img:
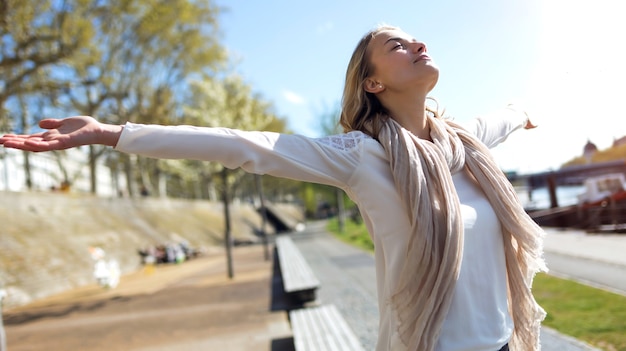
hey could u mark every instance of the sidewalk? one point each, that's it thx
(353, 290)
(608, 248)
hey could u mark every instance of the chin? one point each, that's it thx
(433, 78)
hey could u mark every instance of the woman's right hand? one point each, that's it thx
(64, 134)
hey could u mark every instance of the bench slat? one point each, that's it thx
(334, 326)
(300, 335)
(322, 328)
(315, 330)
(296, 273)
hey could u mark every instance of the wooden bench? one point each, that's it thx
(322, 328)
(298, 279)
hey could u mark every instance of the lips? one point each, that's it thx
(422, 58)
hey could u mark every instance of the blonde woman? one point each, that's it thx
(455, 251)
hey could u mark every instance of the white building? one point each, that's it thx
(47, 175)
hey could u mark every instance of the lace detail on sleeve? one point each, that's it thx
(345, 142)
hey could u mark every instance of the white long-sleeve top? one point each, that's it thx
(478, 319)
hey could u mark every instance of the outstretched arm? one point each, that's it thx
(494, 128)
(64, 134)
(331, 160)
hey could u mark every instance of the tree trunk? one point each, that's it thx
(341, 211)
(227, 235)
(93, 178)
(28, 180)
(129, 172)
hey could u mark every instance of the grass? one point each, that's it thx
(354, 234)
(595, 316)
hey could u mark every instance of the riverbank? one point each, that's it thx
(46, 237)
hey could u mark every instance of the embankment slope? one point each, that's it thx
(45, 237)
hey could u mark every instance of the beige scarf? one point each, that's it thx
(433, 257)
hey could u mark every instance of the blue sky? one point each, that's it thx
(563, 59)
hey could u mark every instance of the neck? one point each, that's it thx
(410, 113)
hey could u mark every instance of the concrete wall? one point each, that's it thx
(45, 237)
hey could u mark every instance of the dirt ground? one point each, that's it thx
(190, 306)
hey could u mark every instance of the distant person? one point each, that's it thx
(451, 239)
(65, 186)
(144, 191)
(106, 272)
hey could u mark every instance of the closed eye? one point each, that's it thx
(398, 43)
(398, 46)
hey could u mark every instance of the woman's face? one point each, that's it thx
(400, 63)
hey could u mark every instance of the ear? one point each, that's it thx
(372, 86)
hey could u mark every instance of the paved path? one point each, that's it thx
(192, 307)
(353, 290)
(598, 260)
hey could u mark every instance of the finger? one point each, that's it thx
(50, 123)
(20, 136)
(530, 125)
(6, 138)
(17, 138)
(15, 144)
(33, 144)
(38, 145)
(12, 138)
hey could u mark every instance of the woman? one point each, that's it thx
(455, 251)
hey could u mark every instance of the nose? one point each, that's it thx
(419, 47)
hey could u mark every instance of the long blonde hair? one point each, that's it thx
(426, 283)
(361, 110)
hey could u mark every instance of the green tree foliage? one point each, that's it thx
(225, 102)
(35, 37)
(123, 60)
(146, 51)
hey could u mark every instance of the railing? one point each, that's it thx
(609, 216)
